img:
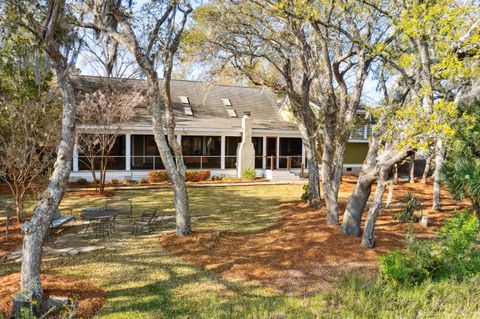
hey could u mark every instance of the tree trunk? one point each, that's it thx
(391, 187)
(395, 174)
(180, 200)
(356, 204)
(368, 238)
(313, 173)
(428, 163)
(328, 165)
(412, 169)
(305, 121)
(439, 157)
(180, 197)
(31, 293)
(19, 207)
(359, 198)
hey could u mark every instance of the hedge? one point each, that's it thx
(190, 176)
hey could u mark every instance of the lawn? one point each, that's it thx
(233, 208)
(144, 280)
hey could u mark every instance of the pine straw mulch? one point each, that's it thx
(301, 255)
(89, 299)
(12, 241)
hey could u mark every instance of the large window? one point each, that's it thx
(231, 145)
(116, 157)
(202, 151)
(258, 146)
(290, 151)
(144, 152)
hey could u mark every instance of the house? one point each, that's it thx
(211, 120)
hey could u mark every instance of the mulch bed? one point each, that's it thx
(12, 241)
(89, 298)
(301, 255)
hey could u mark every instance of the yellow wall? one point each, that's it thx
(355, 153)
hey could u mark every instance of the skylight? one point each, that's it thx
(226, 102)
(184, 99)
(232, 113)
(188, 110)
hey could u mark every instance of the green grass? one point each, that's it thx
(233, 208)
(142, 280)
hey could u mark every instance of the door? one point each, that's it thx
(271, 152)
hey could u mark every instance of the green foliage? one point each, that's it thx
(409, 205)
(358, 297)
(191, 175)
(461, 177)
(142, 181)
(305, 192)
(466, 142)
(453, 254)
(249, 173)
(114, 181)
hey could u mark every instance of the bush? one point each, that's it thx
(249, 173)
(142, 181)
(158, 176)
(82, 181)
(114, 181)
(461, 178)
(190, 176)
(305, 193)
(217, 178)
(409, 205)
(454, 254)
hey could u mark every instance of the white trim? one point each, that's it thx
(75, 155)
(278, 152)
(222, 152)
(303, 154)
(264, 151)
(128, 152)
(144, 130)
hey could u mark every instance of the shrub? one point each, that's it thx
(82, 181)
(305, 193)
(461, 178)
(190, 176)
(249, 173)
(217, 178)
(158, 176)
(114, 181)
(409, 205)
(142, 181)
(197, 175)
(454, 254)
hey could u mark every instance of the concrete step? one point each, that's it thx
(276, 175)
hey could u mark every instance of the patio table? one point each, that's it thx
(98, 214)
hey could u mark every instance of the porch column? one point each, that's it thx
(75, 155)
(128, 152)
(264, 152)
(278, 152)
(303, 154)
(222, 152)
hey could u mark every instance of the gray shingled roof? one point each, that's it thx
(206, 103)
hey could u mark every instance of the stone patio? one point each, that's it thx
(71, 239)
